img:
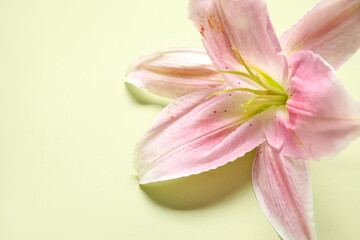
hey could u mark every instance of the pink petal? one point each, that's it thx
(245, 26)
(175, 72)
(321, 117)
(283, 188)
(331, 29)
(193, 135)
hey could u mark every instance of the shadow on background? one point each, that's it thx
(144, 97)
(199, 190)
(204, 189)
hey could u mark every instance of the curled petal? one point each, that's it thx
(331, 29)
(320, 116)
(174, 72)
(283, 188)
(245, 26)
(193, 135)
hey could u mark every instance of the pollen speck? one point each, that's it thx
(202, 29)
(214, 24)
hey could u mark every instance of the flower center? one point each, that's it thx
(271, 94)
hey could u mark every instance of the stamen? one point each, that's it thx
(255, 109)
(273, 93)
(248, 103)
(275, 90)
(235, 72)
(271, 102)
(252, 113)
(256, 78)
(270, 80)
(273, 97)
(278, 89)
(243, 63)
(279, 98)
(257, 92)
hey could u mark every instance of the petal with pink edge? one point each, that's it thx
(193, 135)
(174, 72)
(245, 26)
(331, 29)
(283, 188)
(320, 116)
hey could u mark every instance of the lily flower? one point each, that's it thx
(280, 96)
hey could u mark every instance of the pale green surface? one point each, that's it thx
(68, 127)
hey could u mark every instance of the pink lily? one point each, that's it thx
(288, 102)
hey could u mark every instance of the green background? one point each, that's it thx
(68, 127)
